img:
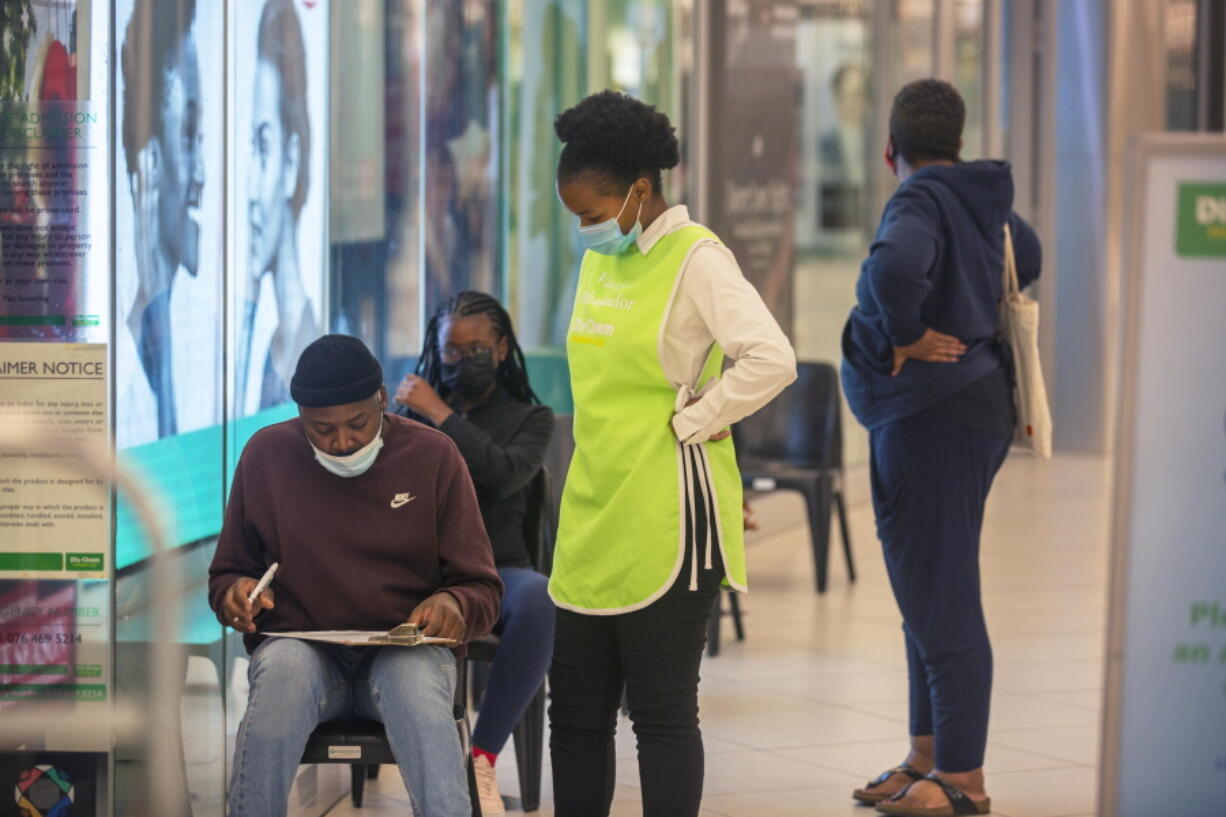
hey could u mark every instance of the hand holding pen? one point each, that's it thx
(245, 599)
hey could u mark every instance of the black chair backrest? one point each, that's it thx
(540, 525)
(803, 426)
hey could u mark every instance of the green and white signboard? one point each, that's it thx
(1164, 739)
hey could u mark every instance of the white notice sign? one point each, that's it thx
(54, 507)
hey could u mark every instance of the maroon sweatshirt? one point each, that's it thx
(356, 553)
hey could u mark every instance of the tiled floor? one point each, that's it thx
(813, 703)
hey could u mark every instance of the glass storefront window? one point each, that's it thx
(169, 223)
(912, 38)
(460, 149)
(837, 145)
(556, 52)
(1181, 65)
(969, 72)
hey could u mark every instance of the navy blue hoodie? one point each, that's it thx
(936, 263)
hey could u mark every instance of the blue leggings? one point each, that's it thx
(930, 479)
(525, 625)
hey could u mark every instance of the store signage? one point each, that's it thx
(1201, 230)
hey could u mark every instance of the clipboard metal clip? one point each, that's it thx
(407, 635)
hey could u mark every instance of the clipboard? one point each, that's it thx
(403, 635)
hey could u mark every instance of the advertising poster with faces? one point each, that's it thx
(279, 93)
(169, 153)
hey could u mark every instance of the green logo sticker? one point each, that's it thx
(84, 561)
(1200, 230)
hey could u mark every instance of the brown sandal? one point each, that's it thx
(872, 798)
(959, 803)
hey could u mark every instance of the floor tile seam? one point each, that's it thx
(1065, 762)
(404, 801)
(1060, 691)
(822, 766)
(1014, 729)
(775, 788)
(1065, 768)
(820, 674)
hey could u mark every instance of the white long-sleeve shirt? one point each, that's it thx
(715, 304)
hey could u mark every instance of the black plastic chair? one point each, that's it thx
(363, 745)
(795, 443)
(529, 733)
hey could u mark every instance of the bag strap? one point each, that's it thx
(1010, 283)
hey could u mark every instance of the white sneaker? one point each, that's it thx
(487, 787)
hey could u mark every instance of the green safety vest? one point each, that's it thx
(621, 535)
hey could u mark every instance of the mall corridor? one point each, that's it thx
(349, 348)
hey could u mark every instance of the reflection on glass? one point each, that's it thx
(546, 72)
(461, 213)
(375, 272)
(559, 51)
(968, 72)
(402, 157)
(1181, 68)
(913, 37)
(832, 54)
(833, 44)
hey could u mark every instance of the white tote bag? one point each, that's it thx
(1019, 327)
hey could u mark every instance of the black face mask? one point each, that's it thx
(471, 377)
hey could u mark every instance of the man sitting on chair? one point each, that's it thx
(374, 521)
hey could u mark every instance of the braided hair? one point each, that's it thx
(512, 372)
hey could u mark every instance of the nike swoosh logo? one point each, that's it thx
(402, 500)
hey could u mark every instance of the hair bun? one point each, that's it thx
(616, 130)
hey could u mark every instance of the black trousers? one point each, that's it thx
(654, 655)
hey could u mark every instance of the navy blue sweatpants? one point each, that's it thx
(930, 478)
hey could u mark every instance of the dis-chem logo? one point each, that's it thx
(44, 791)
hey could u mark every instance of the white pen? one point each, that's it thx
(265, 580)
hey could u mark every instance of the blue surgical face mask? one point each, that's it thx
(355, 464)
(607, 237)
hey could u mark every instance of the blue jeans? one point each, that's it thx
(525, 626)
(295, 685)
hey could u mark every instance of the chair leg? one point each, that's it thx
(529, 738)
(478, 679)
(473, 797)
(357, 773)
(372, 772)
(841, 505)
(738, 624)
(713, 625)
(817, 502)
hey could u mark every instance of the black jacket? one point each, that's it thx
(504, 442)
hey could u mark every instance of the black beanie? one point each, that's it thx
(335, 370)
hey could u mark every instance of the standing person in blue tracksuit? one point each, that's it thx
(925, 372)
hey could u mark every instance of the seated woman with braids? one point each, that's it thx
(472, 385)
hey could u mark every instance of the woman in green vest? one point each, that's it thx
(651, 520)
